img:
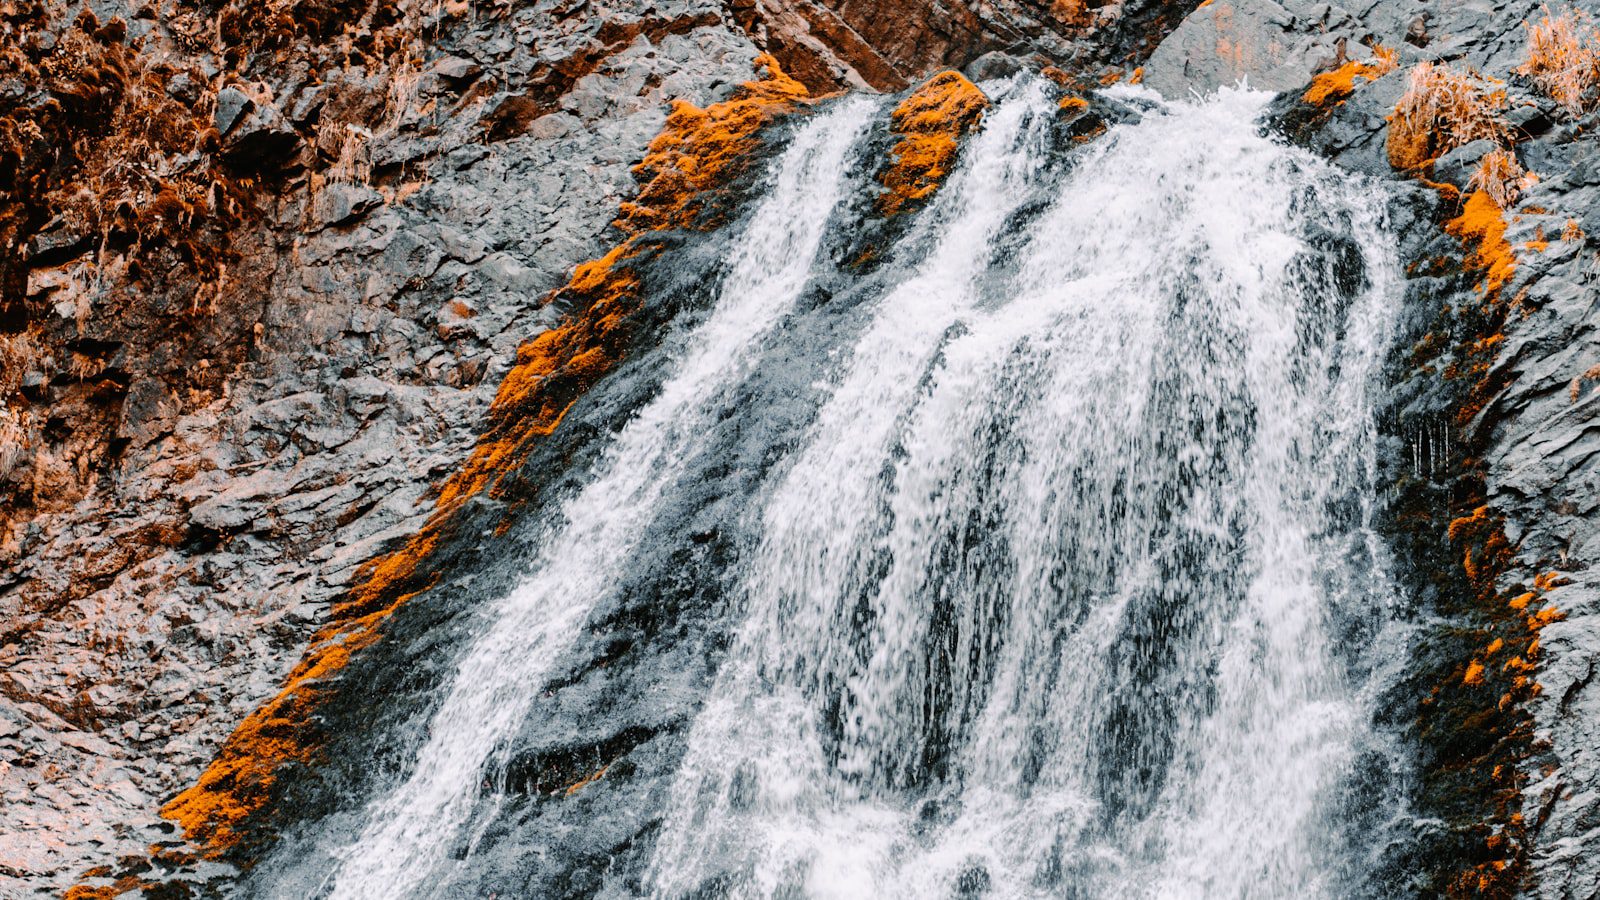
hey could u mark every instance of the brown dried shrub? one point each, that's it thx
(1562, 59)
(1443, 109)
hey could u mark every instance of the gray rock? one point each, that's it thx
(183, 88)
(457, 70)
(232, 105)
(340, 203)
(1257, 42)
(1457, 166)
(994, 64)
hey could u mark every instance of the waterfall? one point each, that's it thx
(1042, 606)
(1045, 583)
(494, 687)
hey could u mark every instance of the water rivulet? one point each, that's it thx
(1032, 559)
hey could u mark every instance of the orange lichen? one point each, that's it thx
(930, 122)
(1441, 110)
(122, 886)
(586, 781)
(1490, 705)
(696, 152)
(1482, 227)
(1072, 103)
(697, 148)
(1341, 82)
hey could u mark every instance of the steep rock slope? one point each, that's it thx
(205, 443)
(1480, 114)
(265, 267)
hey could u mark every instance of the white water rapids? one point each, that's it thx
(1042, 603)
(495, 686)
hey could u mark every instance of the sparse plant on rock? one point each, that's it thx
(1562, 59)
(1443, 109)
(1501, 177)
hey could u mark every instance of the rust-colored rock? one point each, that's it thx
(930, 123)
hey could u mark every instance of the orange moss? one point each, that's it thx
(1341, 82)
(110, 892)
(930, 122)
(586, 781)
(696, 152)
(698, 147)
(1509, 628)
(1482, 227)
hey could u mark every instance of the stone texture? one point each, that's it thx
(143, 622)
(345, 362)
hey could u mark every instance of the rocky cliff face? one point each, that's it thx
(264, 269)
(267, 267)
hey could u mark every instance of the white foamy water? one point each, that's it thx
(1042, 605)
(410, 830)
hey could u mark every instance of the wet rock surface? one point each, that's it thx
(203, 524)
(211, 455)
(145, 620)
(1505, 431)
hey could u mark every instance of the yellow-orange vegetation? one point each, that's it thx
(697, 151)
(1576, 389)
(1502, 674)
(122, 886)
(930, 122)
(1501, 177)
(1563, 60)
(1442, 109)
(1482, 227)
(1341, 82)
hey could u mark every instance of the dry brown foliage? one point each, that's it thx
(1500, 176)
(1443, 109)
(1562, 59)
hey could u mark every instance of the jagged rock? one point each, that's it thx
(1457, 166)
(1270, 46)
(261, 137)
(340, 203)
(457, 69)
(184, 88)
(232, 105)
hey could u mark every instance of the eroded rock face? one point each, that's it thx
(375, 316)
(207, 439)
(1491, 390)
(216, 449)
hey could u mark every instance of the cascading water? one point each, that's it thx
(1041, 589)
(1041, 607)
(409, 831)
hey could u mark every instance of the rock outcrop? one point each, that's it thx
(264, 269)
(267, 269)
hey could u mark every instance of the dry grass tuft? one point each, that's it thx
(1501, 177)
(1443, 109)
(1563, 61)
